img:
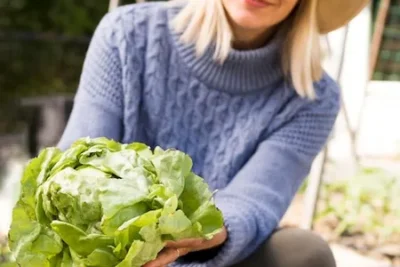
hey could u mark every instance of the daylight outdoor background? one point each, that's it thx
(42, 48)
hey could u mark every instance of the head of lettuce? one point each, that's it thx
(102, 203)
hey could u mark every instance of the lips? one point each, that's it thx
(258, 3)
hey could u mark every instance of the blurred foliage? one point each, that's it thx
(388, 65)
(42, 47)
(72, 17)
(34, 67)
(367, 203)
(43, 44)
(303, 186)
(31, 64)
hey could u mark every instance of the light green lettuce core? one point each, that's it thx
(102, 203)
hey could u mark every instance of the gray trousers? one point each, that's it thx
(291, 247)
(287, 247)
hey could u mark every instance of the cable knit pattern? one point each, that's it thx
(249, 134)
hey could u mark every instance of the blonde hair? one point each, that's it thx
(203, 22)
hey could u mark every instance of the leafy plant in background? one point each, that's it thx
(102, 203)
(42, 47)
(43, 43)
(31, 64)
(366, 203)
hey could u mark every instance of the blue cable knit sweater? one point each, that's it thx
(249, 134)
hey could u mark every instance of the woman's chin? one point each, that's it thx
(246, 21)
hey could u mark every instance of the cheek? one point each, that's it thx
(251, 18)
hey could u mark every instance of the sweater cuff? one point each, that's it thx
(239, 236)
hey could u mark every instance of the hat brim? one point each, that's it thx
(333, 14)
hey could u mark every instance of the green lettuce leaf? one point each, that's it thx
(195, 193)
(36, 173)
(209, 218)
(69, 158)
(134, 251)
(103, 203)
(172, 167)
(101, 257)
(143, 252)
(78, 240)
(174, 223)
(47, 243)
(73, 197)
(109, 225)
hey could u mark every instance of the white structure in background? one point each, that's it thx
(353, 69)
(10, 191)
(371, 108)
(380, 103)
(354, 78)
(380, 119)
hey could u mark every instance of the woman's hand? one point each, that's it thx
(176, 249)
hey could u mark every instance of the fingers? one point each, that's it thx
(199, 244)
(175, 249)
(167, 256)
(187, 243)
(218, 239)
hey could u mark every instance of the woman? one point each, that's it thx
(238, 85)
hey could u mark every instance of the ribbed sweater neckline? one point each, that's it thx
(243, 71)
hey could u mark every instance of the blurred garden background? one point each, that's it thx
(42, 48)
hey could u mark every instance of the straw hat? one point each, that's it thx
(333, 14)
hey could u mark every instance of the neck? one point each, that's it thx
(241, 72)
(246, 39)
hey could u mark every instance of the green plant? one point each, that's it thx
(303, 187)
(43, 45)
(366, 203)
(102, 203)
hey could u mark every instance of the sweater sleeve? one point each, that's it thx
(97, 109)
(260, 193)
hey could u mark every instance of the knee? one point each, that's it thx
(298, 248)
